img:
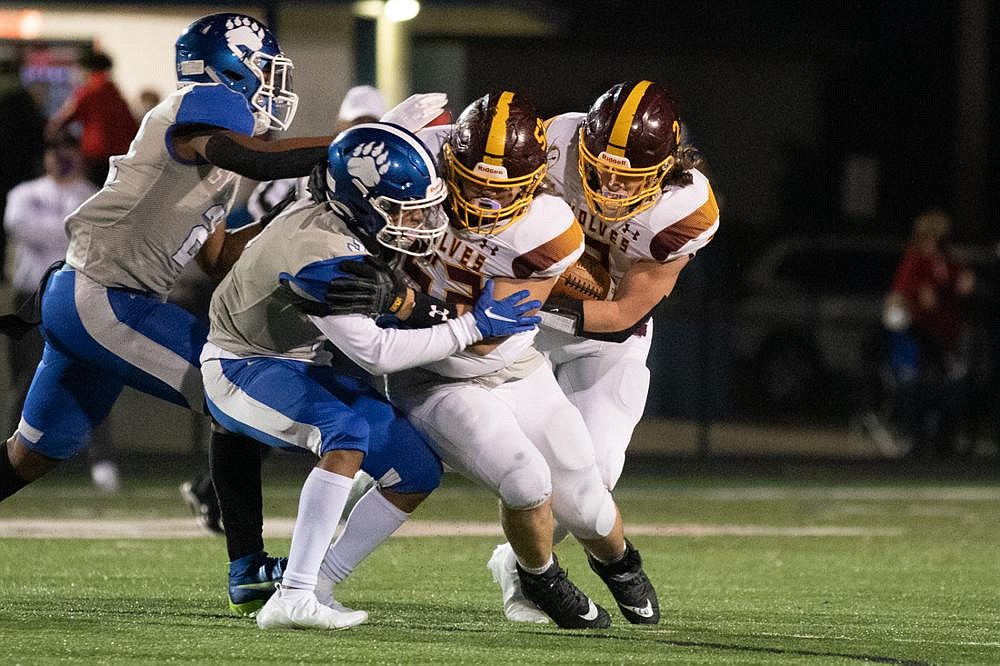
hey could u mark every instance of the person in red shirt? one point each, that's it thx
(107, 124)
(927, 355)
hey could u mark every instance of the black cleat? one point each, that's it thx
(630, 586)
(561, 600)
(199, 495)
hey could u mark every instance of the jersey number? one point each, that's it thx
(195, 239)
(458, 276)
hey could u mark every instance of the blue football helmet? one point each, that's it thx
(240, 52)
(385, 180)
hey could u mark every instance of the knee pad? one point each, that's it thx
(582, 504)
(525, 486)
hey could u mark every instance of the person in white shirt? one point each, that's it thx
(35, 222)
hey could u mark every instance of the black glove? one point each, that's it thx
(371, 288)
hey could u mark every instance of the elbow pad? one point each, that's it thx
(241, 156)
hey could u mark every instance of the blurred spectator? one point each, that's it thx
(22, 125)
(107, 124)
(925, 316)
(34, 220)
(148, 98)
(361, 104)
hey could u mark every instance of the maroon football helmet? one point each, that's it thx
(494, 161)
(628, 143)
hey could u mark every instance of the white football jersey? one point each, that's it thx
(155, 210)
(542, 244)
(681, 222)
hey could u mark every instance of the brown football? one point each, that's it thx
(587, 279)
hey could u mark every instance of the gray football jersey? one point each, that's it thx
(155, 210)
(252, 314)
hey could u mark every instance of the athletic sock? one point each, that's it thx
(10, 480)
(372, 521)
(323, 497)
(532, 570)
(234, 463)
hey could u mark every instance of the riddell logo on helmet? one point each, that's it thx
(614, 159)
(490, 170)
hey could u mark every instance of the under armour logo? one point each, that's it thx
(434, 312)
(244, 31)
(486, 245)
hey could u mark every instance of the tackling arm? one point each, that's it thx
(253, 157)
(382, 351)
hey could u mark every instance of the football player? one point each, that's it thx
(494, 412)
(103, 314)
(267, 375)
(646, 210)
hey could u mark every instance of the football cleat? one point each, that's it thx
(324, 595)
(516, 607)
(252, 581)
(630, 586)
(299, 609)
(561, 600)
(199, 495)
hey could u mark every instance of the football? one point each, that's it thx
(587, 279)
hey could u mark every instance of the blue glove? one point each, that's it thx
(499, 318)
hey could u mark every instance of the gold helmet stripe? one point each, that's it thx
(498, 131)
(619, 133)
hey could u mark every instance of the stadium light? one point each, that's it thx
(394, 11)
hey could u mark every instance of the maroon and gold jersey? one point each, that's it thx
(681, 222)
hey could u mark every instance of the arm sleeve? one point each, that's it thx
(263, 160)
(382, 351)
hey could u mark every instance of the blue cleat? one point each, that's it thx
(252, 580)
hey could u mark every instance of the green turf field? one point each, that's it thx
(752, 571)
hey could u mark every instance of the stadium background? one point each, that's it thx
(827, 128)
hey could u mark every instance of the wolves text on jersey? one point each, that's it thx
(621, 236)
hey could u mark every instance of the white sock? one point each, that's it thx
(533, 570)
(321, 502)
(372, 521)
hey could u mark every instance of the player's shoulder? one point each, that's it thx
(683, 219)
(562, 129)
(210, 104)
(546, 239)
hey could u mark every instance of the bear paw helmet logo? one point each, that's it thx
(368, 163)
(244, 31)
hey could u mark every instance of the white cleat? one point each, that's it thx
(324, 595)
(515, 606)
(298, 609)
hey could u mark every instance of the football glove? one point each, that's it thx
(416, 111)
(371, 288)
(499, 318)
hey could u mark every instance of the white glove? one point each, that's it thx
(414, 112)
